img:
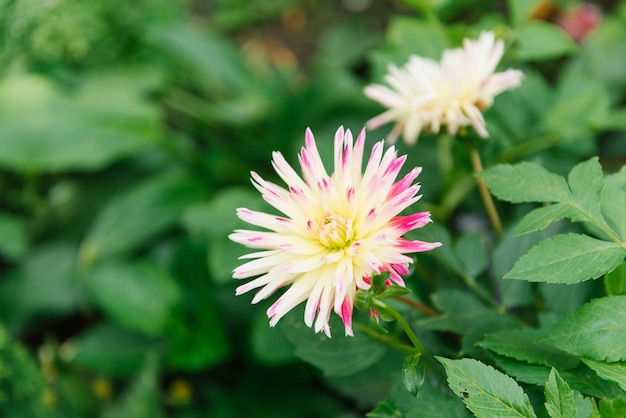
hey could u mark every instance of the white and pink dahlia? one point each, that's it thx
(425, 95)
(337, 230)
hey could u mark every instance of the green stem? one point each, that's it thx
(484, 192)
(416, 305)
(419, 348)
(386, 339)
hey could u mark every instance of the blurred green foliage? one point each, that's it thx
(127, 133)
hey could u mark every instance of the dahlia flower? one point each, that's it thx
(426, 95)
(337, 230)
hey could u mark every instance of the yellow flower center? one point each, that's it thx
(333, 231)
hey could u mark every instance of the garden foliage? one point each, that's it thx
(128, 131)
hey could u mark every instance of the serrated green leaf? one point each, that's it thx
(613, 202)
(561, 299)
(432, 402)
(137, 296)
(586, 182)
(525, 182)
(521, 344)
(596, 330)
(559, 397)
(540, 218)
(613, 408)
(581, 378)
(570, 258)
(522, 371)
(339, 356)
(615, 372)
(485, 391)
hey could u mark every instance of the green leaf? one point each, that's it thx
(613, 120)
(613, 202)
(141, 400)
(218, 216)
(570, 258)
(216, 61)
(580, 101)
(559, 397)
(521, 344)
(522, 10)
(404, 31)
(431, 403)
(522, 371)
(602, 55)
(615, 372)
(197, 337)
(110, 350)
(385, 409)
(613, 408)
(269, 345)
(540, 218)
(393, 290)
(539, 40)
(507, 252)
(586, 182)
(471, 251)
(581, 378)
(596, 330)
(138, 215)
(81, 132)
(358, 387)
(222, 258)
(445, 254)
(413, 374)
(43, 287)
(561, 299)
(13, 237)
(525, 182)
(137, 296)
(338, 356)
(615, 281)
(462, 312)
(485, 391)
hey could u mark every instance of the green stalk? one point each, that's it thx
(419, 348)
(484, 192)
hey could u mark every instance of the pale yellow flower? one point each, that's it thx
(426, 95)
